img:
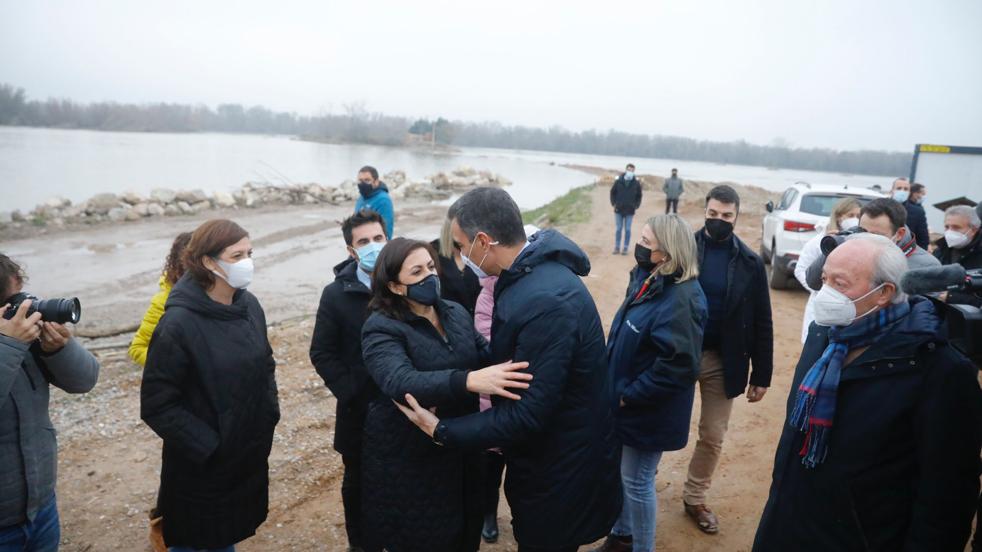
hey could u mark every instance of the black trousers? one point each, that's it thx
(672, 204)
(492, 481)
(351, 498)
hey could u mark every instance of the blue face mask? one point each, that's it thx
(368, 254)
(901, 195)
(629, 175)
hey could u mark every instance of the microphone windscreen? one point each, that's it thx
(932, 279)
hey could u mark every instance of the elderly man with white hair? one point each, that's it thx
(880, 450)
(961, 244)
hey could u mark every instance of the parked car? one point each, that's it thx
(802, 213)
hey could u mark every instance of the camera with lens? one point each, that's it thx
(832, 241)
(963, 322)
(61, 311)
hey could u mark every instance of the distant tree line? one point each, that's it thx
(357, 125)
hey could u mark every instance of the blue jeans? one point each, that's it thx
(623, 223)
(41, 535)
(230, 548)
(638, 469)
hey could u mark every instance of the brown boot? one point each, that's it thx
(615, 543)
(704, 517)
(157, 534)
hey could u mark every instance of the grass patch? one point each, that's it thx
(572, 208)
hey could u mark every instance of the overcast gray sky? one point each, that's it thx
(882, 74)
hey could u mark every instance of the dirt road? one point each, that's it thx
(109, 460)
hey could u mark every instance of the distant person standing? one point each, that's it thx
(918, 192)
(909, 195)
(625, 198)
(374, 196)
(673, 191)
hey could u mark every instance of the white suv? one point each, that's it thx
(802, 213)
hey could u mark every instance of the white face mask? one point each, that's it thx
(955, 239)
(834, 308)
(901, 195)
(239, 274)
(848, 223)
(476, 268)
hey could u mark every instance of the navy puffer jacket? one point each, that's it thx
(653, 351)
(563, 477)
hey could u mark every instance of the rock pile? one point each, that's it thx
(130, 206)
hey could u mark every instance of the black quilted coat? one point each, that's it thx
(209, 392)
(419, 496)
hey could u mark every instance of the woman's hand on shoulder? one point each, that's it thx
(499, 379)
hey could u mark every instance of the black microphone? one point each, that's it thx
(934, 279)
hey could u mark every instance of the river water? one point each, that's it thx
(37, 164)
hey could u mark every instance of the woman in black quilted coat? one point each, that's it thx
(419, 496)
(209, 391)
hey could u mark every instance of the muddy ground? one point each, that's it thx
(109, 461)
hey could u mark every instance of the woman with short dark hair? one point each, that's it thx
(418, 495)
(209, 391)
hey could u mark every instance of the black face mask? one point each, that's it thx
(643, 256)
(365, 188)
(426, 291)
(718, 229)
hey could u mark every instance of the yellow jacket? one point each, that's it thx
(141, 341)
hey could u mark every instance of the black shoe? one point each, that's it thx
(490, 531)
(615, 543)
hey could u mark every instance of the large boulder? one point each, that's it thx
(131, 215)
(162, 195)
(101, 204)
(464, 171)
(172, 210)
(155, 210)
(142, 209)
(223, 199)
(190, 196)
(73, 212)
(117, 214)
(131, 198)
(394, 179)
(246, 198)
(200, 206)
(440, 180)
(57, 202)
(184, 207)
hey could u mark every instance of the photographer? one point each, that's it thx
(34, 353)
(886, 218)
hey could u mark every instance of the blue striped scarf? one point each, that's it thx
(814, 407)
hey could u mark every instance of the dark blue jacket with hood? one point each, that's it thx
(563, 480)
